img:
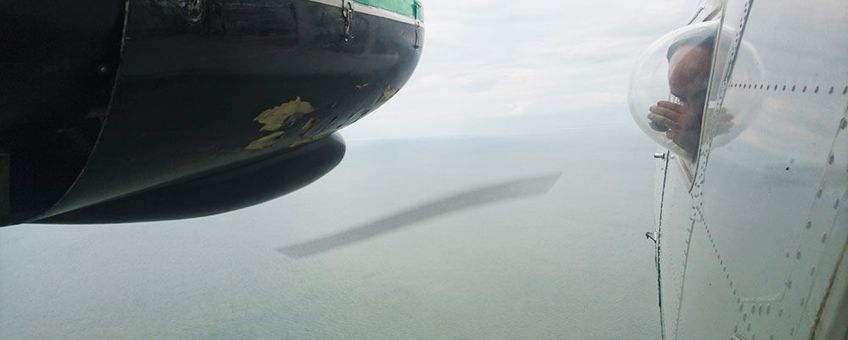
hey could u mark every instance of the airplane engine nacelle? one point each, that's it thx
(153, 110)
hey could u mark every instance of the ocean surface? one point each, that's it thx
(569, 262)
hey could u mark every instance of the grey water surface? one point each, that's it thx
(566, 262)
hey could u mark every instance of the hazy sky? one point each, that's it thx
(513, 67)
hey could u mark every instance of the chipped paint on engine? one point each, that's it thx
(307, 140)
(264, 142)
(272, 119)
(389, 92)
(309, 125)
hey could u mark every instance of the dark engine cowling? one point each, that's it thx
(166, 109)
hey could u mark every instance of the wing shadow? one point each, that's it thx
(514, 189)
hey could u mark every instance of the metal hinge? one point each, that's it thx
(347, 16)
(652, 235)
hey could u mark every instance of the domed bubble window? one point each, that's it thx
(668, 88)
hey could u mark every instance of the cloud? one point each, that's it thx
(491, 60)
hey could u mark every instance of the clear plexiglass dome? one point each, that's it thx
(668, 87)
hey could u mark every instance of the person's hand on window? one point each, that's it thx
(683, 125)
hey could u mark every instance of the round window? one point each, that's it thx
(668, 88)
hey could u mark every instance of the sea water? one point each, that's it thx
(572, 263)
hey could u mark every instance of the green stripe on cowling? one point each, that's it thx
(409, 8)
